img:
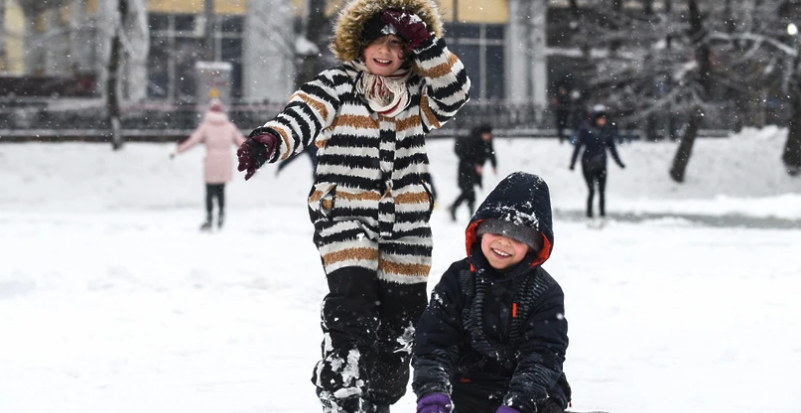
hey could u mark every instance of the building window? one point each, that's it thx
(176, 44)
(481, 49)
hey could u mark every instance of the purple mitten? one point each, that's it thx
(410, 27)
(506, 409)
(257, 150)
(435, 403)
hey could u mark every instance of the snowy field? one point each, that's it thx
(112, 301)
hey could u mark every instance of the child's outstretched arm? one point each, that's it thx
(310, 110)
(195, 138)
(447, 86)
(542, 353)
(438, 333)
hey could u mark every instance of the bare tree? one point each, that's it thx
(660, 66)
(764, 39)
(700, 84)
(269, 51)
(313, 40)
(112, 81)
(129, 44)
(3, 63)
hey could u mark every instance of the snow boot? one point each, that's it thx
(206, 226)
(220, 220)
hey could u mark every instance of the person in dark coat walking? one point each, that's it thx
(596, 139)
(473, 152)
(494, 336)
(562, 109)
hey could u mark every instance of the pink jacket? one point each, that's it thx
(219, 134)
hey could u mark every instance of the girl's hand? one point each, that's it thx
(409, 25)
(257, 150)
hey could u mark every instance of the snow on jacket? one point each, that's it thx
(471, 340)
(365, 159)
(219, 135)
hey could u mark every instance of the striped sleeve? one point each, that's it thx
(310, 110)
(447, 86)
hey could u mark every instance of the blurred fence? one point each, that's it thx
(162, 122)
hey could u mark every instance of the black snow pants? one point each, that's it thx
(215, 191)
(369, 330)
(595, 175)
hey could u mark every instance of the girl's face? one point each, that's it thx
(501, 251)
(384, 56)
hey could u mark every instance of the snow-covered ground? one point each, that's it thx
(110, 299)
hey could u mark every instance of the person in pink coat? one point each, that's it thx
(220, 135)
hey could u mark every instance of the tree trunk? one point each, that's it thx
(3, 63)
(315, 25)
(792, 149)
(208, 30)
(112, 82)
(704, 79)
(682, 158)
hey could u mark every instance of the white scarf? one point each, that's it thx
(387, 95)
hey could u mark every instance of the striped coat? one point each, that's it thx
(372, 200)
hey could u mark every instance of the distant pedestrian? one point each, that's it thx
(473, 152)
(218, 134)
(561, 104)
(595, 139)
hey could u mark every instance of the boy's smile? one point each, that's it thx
(501, 251)
(384, 56)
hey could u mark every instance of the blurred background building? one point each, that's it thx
(55, 58)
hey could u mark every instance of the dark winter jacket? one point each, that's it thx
(499, 334)
(473, 151)
(595, 142)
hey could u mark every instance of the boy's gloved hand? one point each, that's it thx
(410, 27)
(550, 406)
(257, 150)
(435, 403)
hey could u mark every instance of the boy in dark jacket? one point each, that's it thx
(494, 336)
(473, 152)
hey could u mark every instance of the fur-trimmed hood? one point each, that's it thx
(347, 44)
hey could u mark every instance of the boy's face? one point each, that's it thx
(501, 251)
(384, 56)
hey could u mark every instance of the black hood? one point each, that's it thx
(522, 199)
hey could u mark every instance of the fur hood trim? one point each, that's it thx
(347, 44)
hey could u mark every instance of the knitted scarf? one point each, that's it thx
(387, 95)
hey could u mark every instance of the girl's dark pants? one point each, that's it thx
(595, 175)
(375, 317)
(215, 191)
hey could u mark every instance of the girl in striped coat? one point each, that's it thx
(372, 196)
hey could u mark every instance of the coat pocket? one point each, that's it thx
(321, 201)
